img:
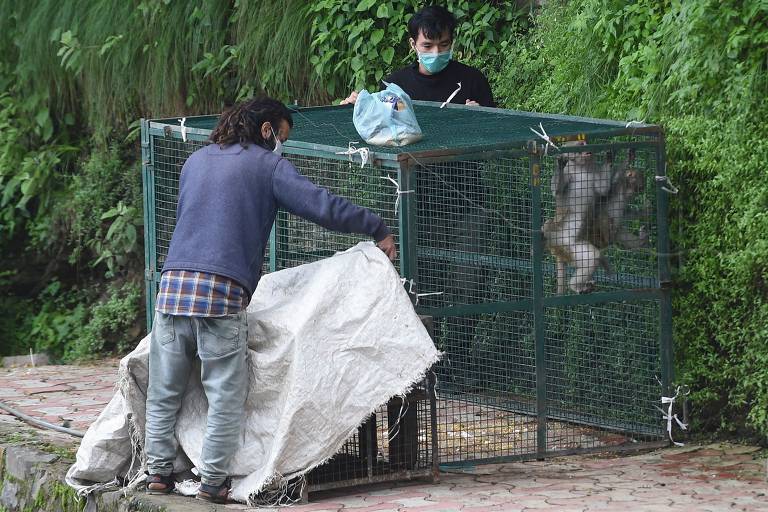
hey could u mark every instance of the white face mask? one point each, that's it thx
(278, 150)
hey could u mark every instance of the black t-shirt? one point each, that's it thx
(437, 87)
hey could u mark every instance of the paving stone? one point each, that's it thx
(693, 478)
(373, 508)
(21, 460)
(9, 496)
(320, 507)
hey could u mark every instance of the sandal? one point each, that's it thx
(215, 493)
(160, 484)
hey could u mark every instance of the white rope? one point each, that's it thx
(188, 487)
(668, 416)
(85, 490)
(352, 150)
(394, 430)
(545, 137)
(398, 191)
(410, 290)
(665, 179)
(641, 122)
(453, 95)
(183, 121)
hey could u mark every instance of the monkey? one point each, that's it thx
(576, 186)
(600, 227)
(604, 226)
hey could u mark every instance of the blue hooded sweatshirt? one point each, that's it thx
(228, 199)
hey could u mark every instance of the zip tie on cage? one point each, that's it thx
(670, 401)
(665, 179)
(398, 191)
(546, 139)
(394, 430)
(183, 121)
(453, 95)
(363, 152)
(417, 295)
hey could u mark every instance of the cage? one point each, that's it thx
(541, 357)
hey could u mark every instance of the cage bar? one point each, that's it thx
(530, 369)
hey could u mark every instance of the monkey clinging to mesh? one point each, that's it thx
(577, 184)
(600, 224)
(604, 226)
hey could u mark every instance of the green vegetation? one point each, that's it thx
(76, 76)
(698, 69)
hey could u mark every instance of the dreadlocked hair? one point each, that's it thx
(242, 122)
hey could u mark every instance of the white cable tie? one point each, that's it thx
(183, 121)
(411, 284)
(545, 137)
(668, 416)
(453, 95)
(363, 152)
(398, 191)
(630, 123)
(672, 189)
(419, 295)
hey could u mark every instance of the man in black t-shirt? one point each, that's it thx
(434, 76)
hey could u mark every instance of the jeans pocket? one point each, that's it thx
(162, 328)
(221, 335)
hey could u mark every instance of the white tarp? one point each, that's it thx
(329, 342)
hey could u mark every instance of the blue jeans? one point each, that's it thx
(221, 345)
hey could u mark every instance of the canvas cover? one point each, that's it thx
(329, 342)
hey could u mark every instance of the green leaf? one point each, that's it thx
(364, 5)
(112, 212)
(42, 117)
(383, 11)
(377, 36)
(387, 54)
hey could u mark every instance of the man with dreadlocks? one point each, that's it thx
(229, 193)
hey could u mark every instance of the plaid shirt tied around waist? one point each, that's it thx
(188, 293)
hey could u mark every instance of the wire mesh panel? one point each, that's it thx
(543, 264)
(396, 440)
(169, 157)
(602, 369)
(473, 226)
(299, 241)
(487, 386)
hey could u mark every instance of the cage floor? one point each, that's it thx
(468, 431)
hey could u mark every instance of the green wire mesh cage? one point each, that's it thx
(534, 365)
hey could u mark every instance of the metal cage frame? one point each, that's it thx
(550, 322)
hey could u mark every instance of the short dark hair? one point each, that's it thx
(242, 122)
(433, 21)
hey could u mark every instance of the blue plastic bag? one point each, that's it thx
(386, 118)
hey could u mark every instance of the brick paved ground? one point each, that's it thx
(694, 478)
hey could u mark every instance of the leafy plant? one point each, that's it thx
(699, 69)
(121, 242)
(355, 44)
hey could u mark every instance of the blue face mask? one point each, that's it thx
(435, 62)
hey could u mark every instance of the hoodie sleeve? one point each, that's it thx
(296, 194)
